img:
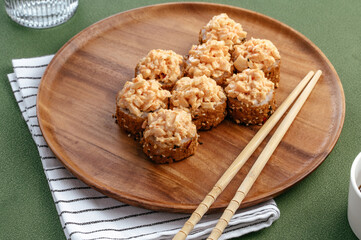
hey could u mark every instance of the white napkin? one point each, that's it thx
(87, 214)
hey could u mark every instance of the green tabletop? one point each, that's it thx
(315, 208)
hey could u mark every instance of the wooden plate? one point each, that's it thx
(77, 99)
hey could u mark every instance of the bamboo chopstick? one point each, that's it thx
(262, 160)
(240, 160)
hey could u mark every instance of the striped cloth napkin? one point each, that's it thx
(87, 214)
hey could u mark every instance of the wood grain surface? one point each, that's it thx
(76, 101)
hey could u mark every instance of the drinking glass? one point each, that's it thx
(40, 13)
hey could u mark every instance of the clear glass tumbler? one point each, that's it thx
(40, 13)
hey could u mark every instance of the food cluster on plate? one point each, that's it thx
(171, 96)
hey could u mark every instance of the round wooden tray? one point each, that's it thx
(76, 101)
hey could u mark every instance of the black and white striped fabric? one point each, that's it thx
(87, 214)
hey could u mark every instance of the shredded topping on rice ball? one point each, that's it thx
(171, 127)
(211, 59)
(223, 28)
(197, 92)
(140, 96)
(255, 53)
(162, 65)
(250, 87)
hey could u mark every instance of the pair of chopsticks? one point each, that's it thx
(245, 154)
